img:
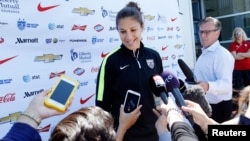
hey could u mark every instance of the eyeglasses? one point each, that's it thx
(237, 33)
(206, 32)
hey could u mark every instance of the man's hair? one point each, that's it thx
(86, 124)
(216, 22)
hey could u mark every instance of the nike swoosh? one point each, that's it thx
(83, 101)
(44, 129)
(173, 19)
(104, 54)
(163, 48)
(121, 68)
(7, 59)
(45, 8)
(1, 40)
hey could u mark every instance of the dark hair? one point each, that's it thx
(216, 22)
(131, 10)
(86, 124)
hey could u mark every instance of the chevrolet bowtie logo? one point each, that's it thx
(11, 118)
(47, 58)
(83, 11)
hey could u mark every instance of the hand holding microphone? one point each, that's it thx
(172, 84)
(158, 87)
(196, 94)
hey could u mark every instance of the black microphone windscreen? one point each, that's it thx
(187, 71)
(182, 86)
(196, 94)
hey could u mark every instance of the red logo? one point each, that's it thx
(170, 28)
(173, 19)
(83, 101)
(163, 48)
(98, 27)
(1, 40)
(45, 8)
(57, 74)
(5, 60)
(44, 129)
(104, 54)
(75, 27)
(7, 98)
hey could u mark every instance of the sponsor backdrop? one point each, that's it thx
(42, 39)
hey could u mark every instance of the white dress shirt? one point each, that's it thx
(215, 65)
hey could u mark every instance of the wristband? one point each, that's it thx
(171, 109)
(32, 116)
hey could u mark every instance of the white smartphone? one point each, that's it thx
(131, 101)
(61, 92)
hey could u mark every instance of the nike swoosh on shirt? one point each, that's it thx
(7, 59)
(45, 8)
(123, 67)
(83, 101)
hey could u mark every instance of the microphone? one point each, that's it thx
(182, 86)
(190, 78)
(196, 94)
(158, 87)
(172, 84)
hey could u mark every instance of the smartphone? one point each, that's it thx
(131, 101)
(61, 93)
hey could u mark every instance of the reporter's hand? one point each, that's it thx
(38, 108)
(161, 123)
(126, 120)
(199, 116)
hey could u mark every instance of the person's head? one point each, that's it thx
(209, 31)
(129, 23)
(86, 124)
(239, 35)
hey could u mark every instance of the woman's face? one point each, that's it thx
(130, 32)
(237, 34)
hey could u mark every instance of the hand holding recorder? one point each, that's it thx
(61, 94)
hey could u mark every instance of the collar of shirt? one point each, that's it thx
(211, 48)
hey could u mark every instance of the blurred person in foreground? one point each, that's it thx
(171, 124)
(214, 69)
(88, 123)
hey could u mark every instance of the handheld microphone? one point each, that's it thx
(190, 79)
(196, 94)
(159, 87)
(182, 86)
(172, 84)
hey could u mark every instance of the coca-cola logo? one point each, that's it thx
(7, 98)
(95, 69)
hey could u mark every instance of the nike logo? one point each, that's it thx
(1, 40)
(104, 54)
(44, 129)
(163, 48)
(83, 101)
(173, 19)
(45, 8)
(7, 59)
(121, 68)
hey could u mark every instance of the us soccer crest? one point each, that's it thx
(150, 63)
(21, 24)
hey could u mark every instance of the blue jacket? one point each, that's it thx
(22, 132)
